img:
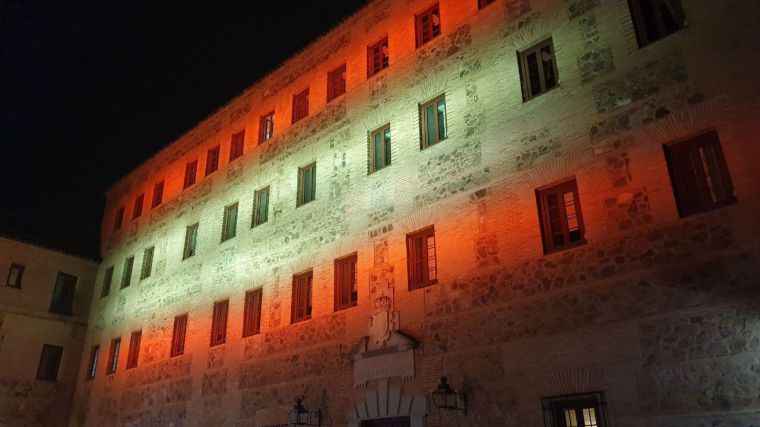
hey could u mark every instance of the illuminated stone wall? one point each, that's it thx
(657, 311)
(26, 324)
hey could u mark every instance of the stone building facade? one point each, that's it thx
(650, 317)
(44, 306)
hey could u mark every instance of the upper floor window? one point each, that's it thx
(147, 263)
(433, 121)
(212, 160)
(50, 362)
(138, 207)
(346, 294)
(484, 3)
(158, 194)
(191, 237)
(219, 323)
(107, 279)
(300, 105)
(133, 355)
(699, 174)
(655, 19)
(307, 184)
(538, 69)
(237, 145)
(126, 277)
(378, 57)
(266, 127)
(191, 169)
(422, 265)
(63, 294)
(118, 220)
(113, 356)
(380, 148)
(336, 83)
(15, 272)
(92, 366)
(559, 209)
(178, 335)
(261, 206)
(428, 25)
(229, 224)
(577, 410)
(252, 313)
(301, 302)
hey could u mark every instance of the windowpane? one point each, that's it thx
(93, 365)
(237, 145)
(138, 207)
(212, 160)
(433, 124)
(15, 272)
(229, 226)
(336, 83)
(301, 300)
(113, 356)
(126, 278)
(190, 172)
(300, 105)
(655, 19)
(577, 410)
(380, 148)
(252, 313)
(158, 194)
(107, 279)
(538, 69)
(441, 120)
(63, 295)
(261, 209)
(307, 183)
(50, 362)
(191, 235)
(560, 216)
(147, 264)
(266, 127)
(421, 258)
(377, 57)
(428, 25)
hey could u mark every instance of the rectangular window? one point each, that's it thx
(50, 362)
(212, 160)
(191, 237)
(656, 19)
(92, 367)
(118, 219)
(380, 148)
(378, 57)
(126, 277)
(147, 263)
(190, 171)
(229, 224)
(178, 335)
(301, 302)
(237, 145)
(422, 266)
(266, 127)
(433, 122)
(138, 206)
(219, 323)
(15, 273)
(261, 207)
(113, 356)
(577, 410)
(300, 105)
(484, 3)
(559, 211)
(428, 25)
(158, 194)
(346, 293)
(307, 184)
(63, 294)
(252, 313)
(699, 174)
(107, 280)
(336, 83)
(134, 349)
(538, 69)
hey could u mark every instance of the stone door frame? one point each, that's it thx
(389, 402)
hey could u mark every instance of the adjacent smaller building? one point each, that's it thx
(45, 296)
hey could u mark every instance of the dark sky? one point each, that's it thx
(89, 89)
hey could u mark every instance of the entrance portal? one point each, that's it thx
(387, 422)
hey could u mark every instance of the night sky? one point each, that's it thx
(91, 89)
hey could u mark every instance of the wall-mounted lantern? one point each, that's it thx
(446, 397)
(300, 416)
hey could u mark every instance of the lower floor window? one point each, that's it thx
(577, 410)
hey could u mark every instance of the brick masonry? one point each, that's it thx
(659, 312)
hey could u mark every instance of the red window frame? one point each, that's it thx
(219, 323)
(158, 194)
(560, 216)
(212, 160)
(191, 170)
(336, 83)
(300, 105)
(301, 300)
(178, 335)
(237, 145)
(133, 355)
(427, 25)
